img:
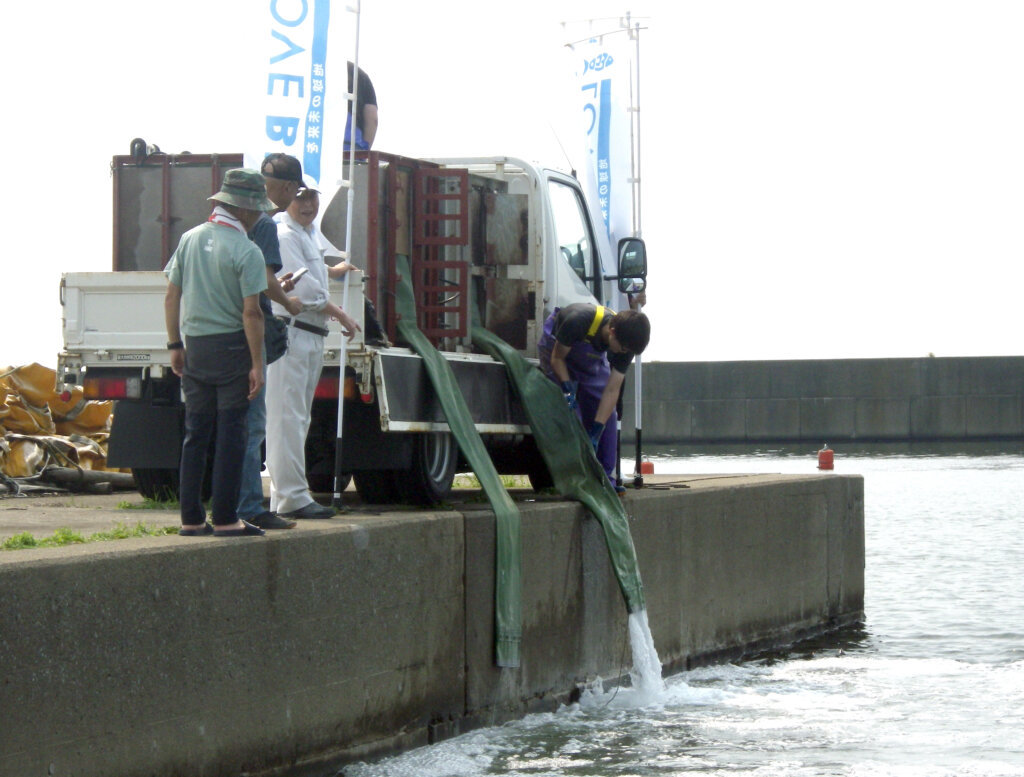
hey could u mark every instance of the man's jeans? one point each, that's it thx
(199, 431)
(216, 387)
(250, 496)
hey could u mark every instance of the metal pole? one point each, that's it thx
(352, 98)
(638, 480)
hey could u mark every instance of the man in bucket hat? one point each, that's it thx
(215, 335)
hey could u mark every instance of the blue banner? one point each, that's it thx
(303, 105)
(603, 78)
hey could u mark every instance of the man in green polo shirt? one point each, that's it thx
(215, 333)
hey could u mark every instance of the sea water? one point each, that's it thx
(931, 685)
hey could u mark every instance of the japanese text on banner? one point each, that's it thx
(303, 106)
(603, 77)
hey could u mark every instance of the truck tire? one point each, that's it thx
(539, 476)
(428, 481)
(323, 483)
(160, 485)
(377, 487)
(320, 448)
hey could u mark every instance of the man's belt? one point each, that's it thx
(317, 330)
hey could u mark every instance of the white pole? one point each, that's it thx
(638, 479)
(346, 256)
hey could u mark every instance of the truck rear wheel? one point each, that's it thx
(160, 485)
(323, 483)
(320, 454)
(540, 477)
(429, 479)
(426, 481)
(377, 487)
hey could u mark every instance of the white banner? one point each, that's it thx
(603, 76)
(303, 83)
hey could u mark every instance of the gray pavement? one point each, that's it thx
(41, 514)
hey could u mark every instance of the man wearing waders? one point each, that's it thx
(587, 349)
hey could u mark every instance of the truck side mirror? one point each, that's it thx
(632, 265)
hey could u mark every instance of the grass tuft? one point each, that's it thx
(470, 480)
(149, 504)
(65, 536)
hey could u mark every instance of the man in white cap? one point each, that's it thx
(292, 379)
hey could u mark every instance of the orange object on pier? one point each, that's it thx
(825, 458)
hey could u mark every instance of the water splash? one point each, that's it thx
(646, 671)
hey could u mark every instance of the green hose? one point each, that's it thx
(566, 450)
(508, 553)
(570, 459)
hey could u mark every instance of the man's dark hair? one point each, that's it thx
(632, 330)
(283, 167)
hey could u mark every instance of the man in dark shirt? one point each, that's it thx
(587, 350)
(283, 175)
(366, 111)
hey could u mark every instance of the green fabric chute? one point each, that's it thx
(508, 553)
(570, 459)
(566, 450)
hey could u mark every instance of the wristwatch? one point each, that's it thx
(175, 346)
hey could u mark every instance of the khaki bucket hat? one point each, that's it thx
(244, 188)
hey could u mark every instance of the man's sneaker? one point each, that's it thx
(312, 510)
(269, 520)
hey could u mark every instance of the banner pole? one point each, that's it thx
(352, 98)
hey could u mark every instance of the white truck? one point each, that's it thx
(494, 241)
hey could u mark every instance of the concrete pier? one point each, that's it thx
(371, 633)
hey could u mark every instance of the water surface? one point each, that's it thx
(932, 684)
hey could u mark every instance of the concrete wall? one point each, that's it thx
(305, 649)
(970, 398)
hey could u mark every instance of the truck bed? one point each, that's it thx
(117, 319)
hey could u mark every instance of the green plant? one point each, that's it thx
(148, 504)
(470, 480)
(19, 541)
(65, 536)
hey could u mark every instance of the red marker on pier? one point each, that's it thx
(825, 456)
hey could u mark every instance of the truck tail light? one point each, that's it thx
(351, 388)
(326, 388)
(112, 388)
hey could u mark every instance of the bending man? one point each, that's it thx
(587, 349)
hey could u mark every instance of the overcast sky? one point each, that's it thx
(821, 179)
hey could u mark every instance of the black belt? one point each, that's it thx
(317, 330)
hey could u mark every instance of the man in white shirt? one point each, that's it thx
(292, 379)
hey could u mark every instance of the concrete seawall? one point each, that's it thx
(870, 400)
(373, 633)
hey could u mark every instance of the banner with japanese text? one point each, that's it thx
(603, 75)
(302, 83)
